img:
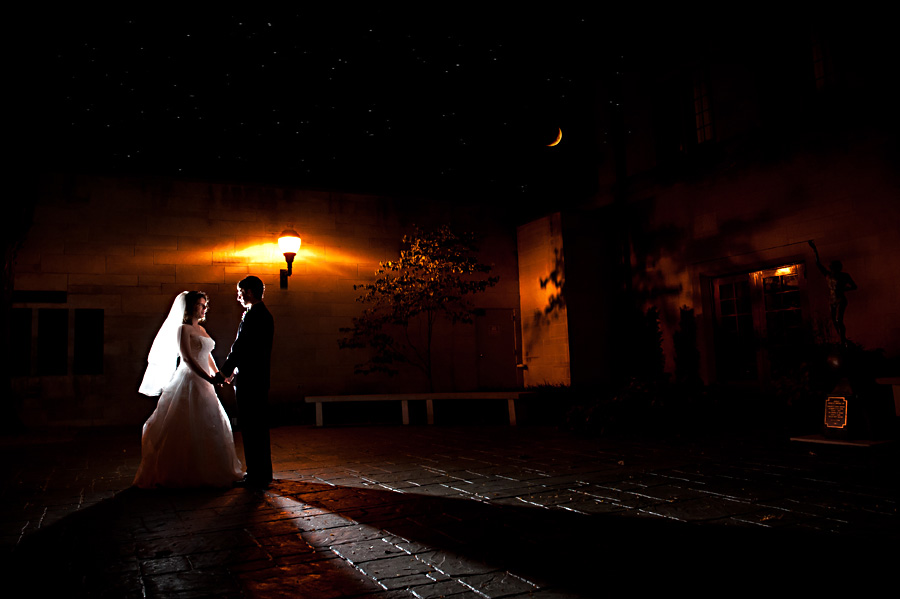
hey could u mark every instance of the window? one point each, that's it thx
(735, 334)
(759, 322)
(782, 306)
(702, 110)
(20, 340)
(52, 341)
(822, 68)
(41, 340)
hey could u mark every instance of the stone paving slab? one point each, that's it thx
(386, 512)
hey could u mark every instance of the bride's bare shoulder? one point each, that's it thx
(194, 330)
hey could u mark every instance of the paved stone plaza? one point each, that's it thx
(490, 511)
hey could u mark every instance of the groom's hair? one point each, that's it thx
(255, 285)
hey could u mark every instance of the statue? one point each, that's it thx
(839, 283)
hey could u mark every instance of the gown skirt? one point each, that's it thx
(187, 441)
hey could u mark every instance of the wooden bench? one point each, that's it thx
(428, 398)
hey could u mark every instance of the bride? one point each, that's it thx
(187, 441)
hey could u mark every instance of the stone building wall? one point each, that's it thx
(763, 217)
(128, 246)
(687, 236)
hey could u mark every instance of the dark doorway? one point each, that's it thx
(497, 349)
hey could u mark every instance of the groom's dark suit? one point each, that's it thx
(251, 355)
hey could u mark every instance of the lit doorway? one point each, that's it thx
(760, 322)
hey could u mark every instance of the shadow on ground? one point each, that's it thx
(590, 554)
(238, 543)
(179, 543)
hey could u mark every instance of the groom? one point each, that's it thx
(250, 358)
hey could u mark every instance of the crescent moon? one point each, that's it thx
(557, 140)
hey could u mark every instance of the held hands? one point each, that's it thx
(220, 379)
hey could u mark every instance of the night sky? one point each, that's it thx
(374, 102)
(459, 103)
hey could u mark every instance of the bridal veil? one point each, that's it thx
(163, 358)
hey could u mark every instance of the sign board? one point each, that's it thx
(836, 412)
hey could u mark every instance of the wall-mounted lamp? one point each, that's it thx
(289, 244)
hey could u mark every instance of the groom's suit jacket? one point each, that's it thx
(251, 352)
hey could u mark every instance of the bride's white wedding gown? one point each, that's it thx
(187, 441)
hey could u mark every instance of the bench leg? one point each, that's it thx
(896, 389)
(404, 405)
(319, 418)
(429, 406)
(512, 411)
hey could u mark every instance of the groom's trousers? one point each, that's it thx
(253, 419)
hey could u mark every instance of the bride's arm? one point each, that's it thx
(185, 346)
(213, 369)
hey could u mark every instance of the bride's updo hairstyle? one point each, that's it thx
(190, 302)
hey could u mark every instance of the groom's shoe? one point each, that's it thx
(250, 482)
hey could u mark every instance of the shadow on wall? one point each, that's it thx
(554, 285)
(731, 248)
(556, 281)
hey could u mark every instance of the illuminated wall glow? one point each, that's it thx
(262, 253)
(545, 332)
(325, 260)
(205, 235)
